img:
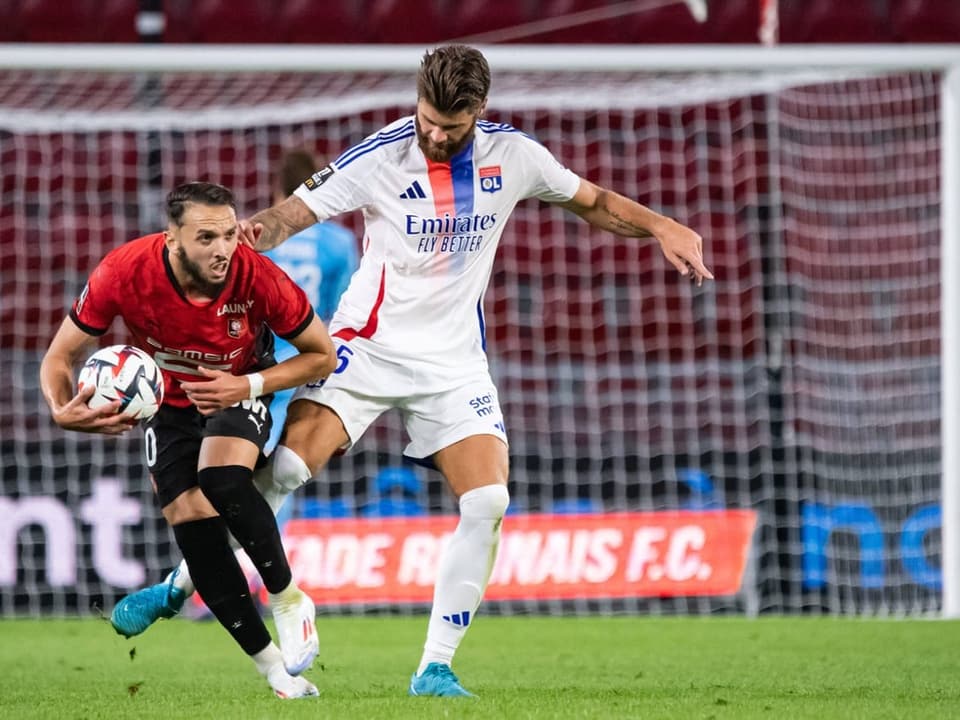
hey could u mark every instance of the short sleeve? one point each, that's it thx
(97, 305)
(343, 185)
(288, 308)
(551, 181)
(331, 192)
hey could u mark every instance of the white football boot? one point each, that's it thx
(294, 614)
(288, 687)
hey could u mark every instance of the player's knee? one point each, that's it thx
(188, 506)
(289, 469)
(224, 484)
(488, 501)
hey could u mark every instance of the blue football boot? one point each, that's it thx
(138, 611)
(437, 680)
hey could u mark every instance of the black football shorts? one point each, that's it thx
(173, 436)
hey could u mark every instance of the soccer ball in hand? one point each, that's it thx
(127, 374)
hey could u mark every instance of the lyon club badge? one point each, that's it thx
(490, 178)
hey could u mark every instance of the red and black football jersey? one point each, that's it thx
(136, 283)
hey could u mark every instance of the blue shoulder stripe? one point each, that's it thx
(489, 128)
(382, 138)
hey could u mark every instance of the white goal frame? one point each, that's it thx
(394, 58)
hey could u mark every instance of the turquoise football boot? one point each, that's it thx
(437, 680)
(138, 611)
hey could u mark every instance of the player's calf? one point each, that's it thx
(248, 517)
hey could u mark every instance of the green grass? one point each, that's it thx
(770, 668)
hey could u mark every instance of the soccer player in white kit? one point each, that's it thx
(436, 190)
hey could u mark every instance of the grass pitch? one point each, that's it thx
(710, 668)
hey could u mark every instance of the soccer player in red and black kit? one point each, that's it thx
(204, 305)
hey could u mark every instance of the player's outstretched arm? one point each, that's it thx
(611, 211)
(70, 411)
(270, 227)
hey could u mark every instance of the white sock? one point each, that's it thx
(289, 595)
(289, 471)
(464, 571)
(183, 581)
(267, 658)
(263, 481)
(281, 477)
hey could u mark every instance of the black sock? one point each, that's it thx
(219, 580)
(230, 490)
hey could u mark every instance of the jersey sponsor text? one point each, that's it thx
(235, 308)
(449, 224)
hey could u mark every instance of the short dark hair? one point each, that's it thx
(295, 167)
(454, 78)
(204, 193)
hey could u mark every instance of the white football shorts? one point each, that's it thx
(364, 386)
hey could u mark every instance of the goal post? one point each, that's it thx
(950, 339)
(814, 383)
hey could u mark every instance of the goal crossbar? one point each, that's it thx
(404, 58)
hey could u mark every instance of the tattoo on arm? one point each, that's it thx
(272, 233)
(281, 221)
(617, 222)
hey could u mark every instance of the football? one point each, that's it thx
(127, 374)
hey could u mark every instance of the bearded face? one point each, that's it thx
(204, 281)
(441, 136)
(202, 246)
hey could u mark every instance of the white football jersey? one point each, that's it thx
(431, 233)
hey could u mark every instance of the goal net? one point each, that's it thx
(802, 386)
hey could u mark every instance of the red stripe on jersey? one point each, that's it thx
(441, 182)
(370, 328)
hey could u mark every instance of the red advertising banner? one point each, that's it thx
(615, 555)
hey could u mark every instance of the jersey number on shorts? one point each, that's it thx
(150, 446)
(343, 359)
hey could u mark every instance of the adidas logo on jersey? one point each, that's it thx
(458, 619)
(414, 192)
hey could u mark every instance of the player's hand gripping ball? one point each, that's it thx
(127, 374)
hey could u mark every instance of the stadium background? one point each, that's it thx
(791, 388)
